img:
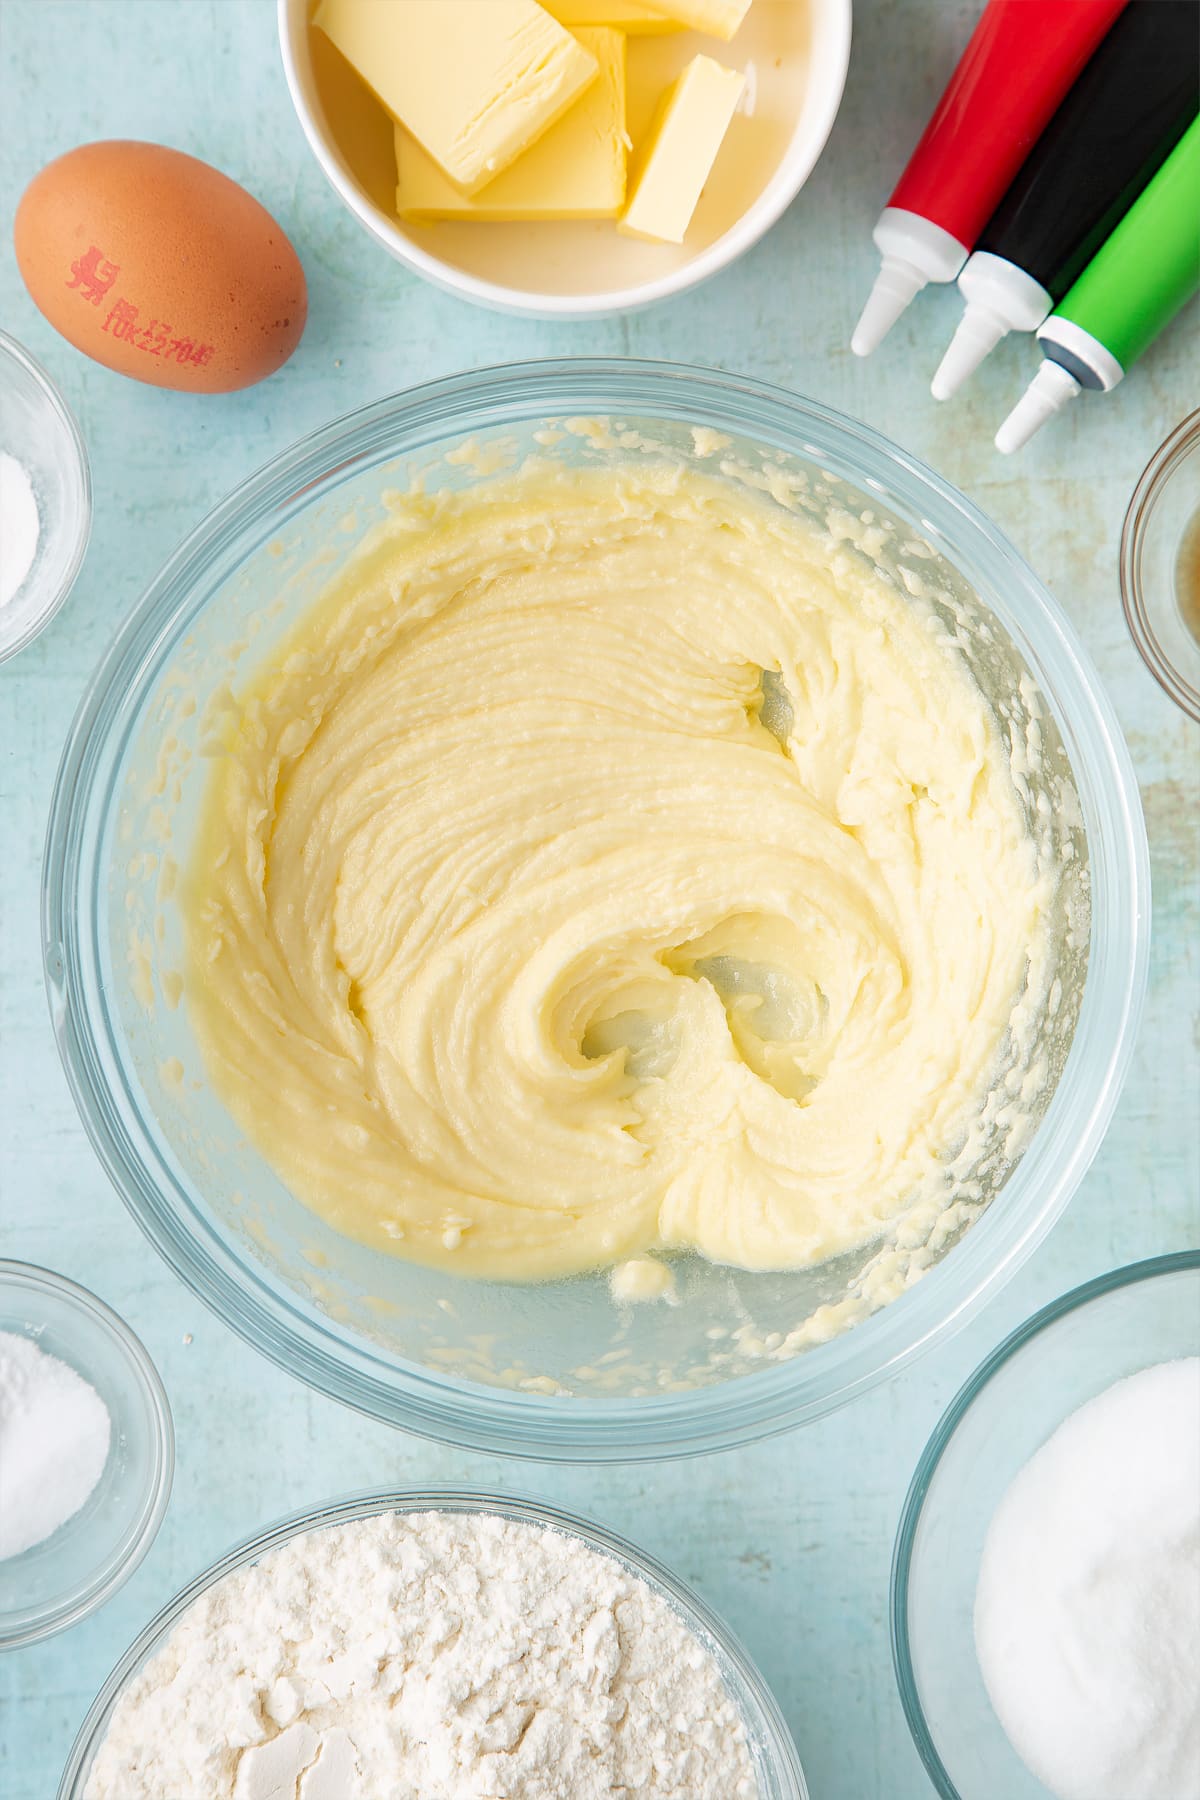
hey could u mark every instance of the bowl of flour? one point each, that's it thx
(434, 1646)
(1046, 1584)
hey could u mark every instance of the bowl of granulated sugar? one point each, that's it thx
(1046, 1582)
(45, 498)
(87, 1453)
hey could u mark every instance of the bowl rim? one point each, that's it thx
(16, 352)
(696, 1613)
(771, 1399)
(28, 1626)
(1166, 462)
(1151, 1268)
(782, 187)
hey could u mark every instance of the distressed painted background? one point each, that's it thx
(791, 1540)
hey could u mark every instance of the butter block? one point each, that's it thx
(634, 17)
(475, 81)
(716, 18)
(674, 163)
(576, 170)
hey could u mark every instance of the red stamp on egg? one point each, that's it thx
(92, 275)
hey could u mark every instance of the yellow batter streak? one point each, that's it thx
(526, 936)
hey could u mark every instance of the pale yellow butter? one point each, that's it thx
(718, 18)
(576, 170)
(529, 934)
(642, 1278)
(475, 81)
(675, 162)
(634, 17)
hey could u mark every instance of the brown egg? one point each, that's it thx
(160, 267)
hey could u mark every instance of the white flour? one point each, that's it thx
(19, 526)
(430, 1656)
(54, 1435)
(1087, 1613)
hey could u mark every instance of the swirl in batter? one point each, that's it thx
(609, 863)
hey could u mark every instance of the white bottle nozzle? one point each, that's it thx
(1000, 298)
(979, 331)
(896, 285)
(1046, 394)
(914, 251)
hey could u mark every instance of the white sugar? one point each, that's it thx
(20, 526)
(1087, 1613)
(54, 1437)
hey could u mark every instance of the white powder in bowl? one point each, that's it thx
(428, 1656)
(1087, 1612)
(54, 1436)
(20, 526)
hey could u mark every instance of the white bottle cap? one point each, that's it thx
(1081, 350)
(914, 251)
(1046, 394)
(1000, 298)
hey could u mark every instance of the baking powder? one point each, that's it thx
(1087, 1613)
(54, 1436)
(19, 526)
(429, 1656)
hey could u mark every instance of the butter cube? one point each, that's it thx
(475, 81)
(634, 17)
(674, 164)
(717, 18)
(576, 170)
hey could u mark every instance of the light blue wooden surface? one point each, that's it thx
(790, 1540)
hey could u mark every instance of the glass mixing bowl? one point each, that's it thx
(1160, 565)
(557, 1370)
(1052, 1365)
(776, 1763)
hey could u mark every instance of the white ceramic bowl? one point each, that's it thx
(800, 50)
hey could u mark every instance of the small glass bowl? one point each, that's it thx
(37, 427)
(1165, 503)
(1148, 1312)
(69, 1574)
(776, 1763)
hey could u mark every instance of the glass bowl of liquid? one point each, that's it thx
(1056, 1362)
(559, 1369)
(1160, 565)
